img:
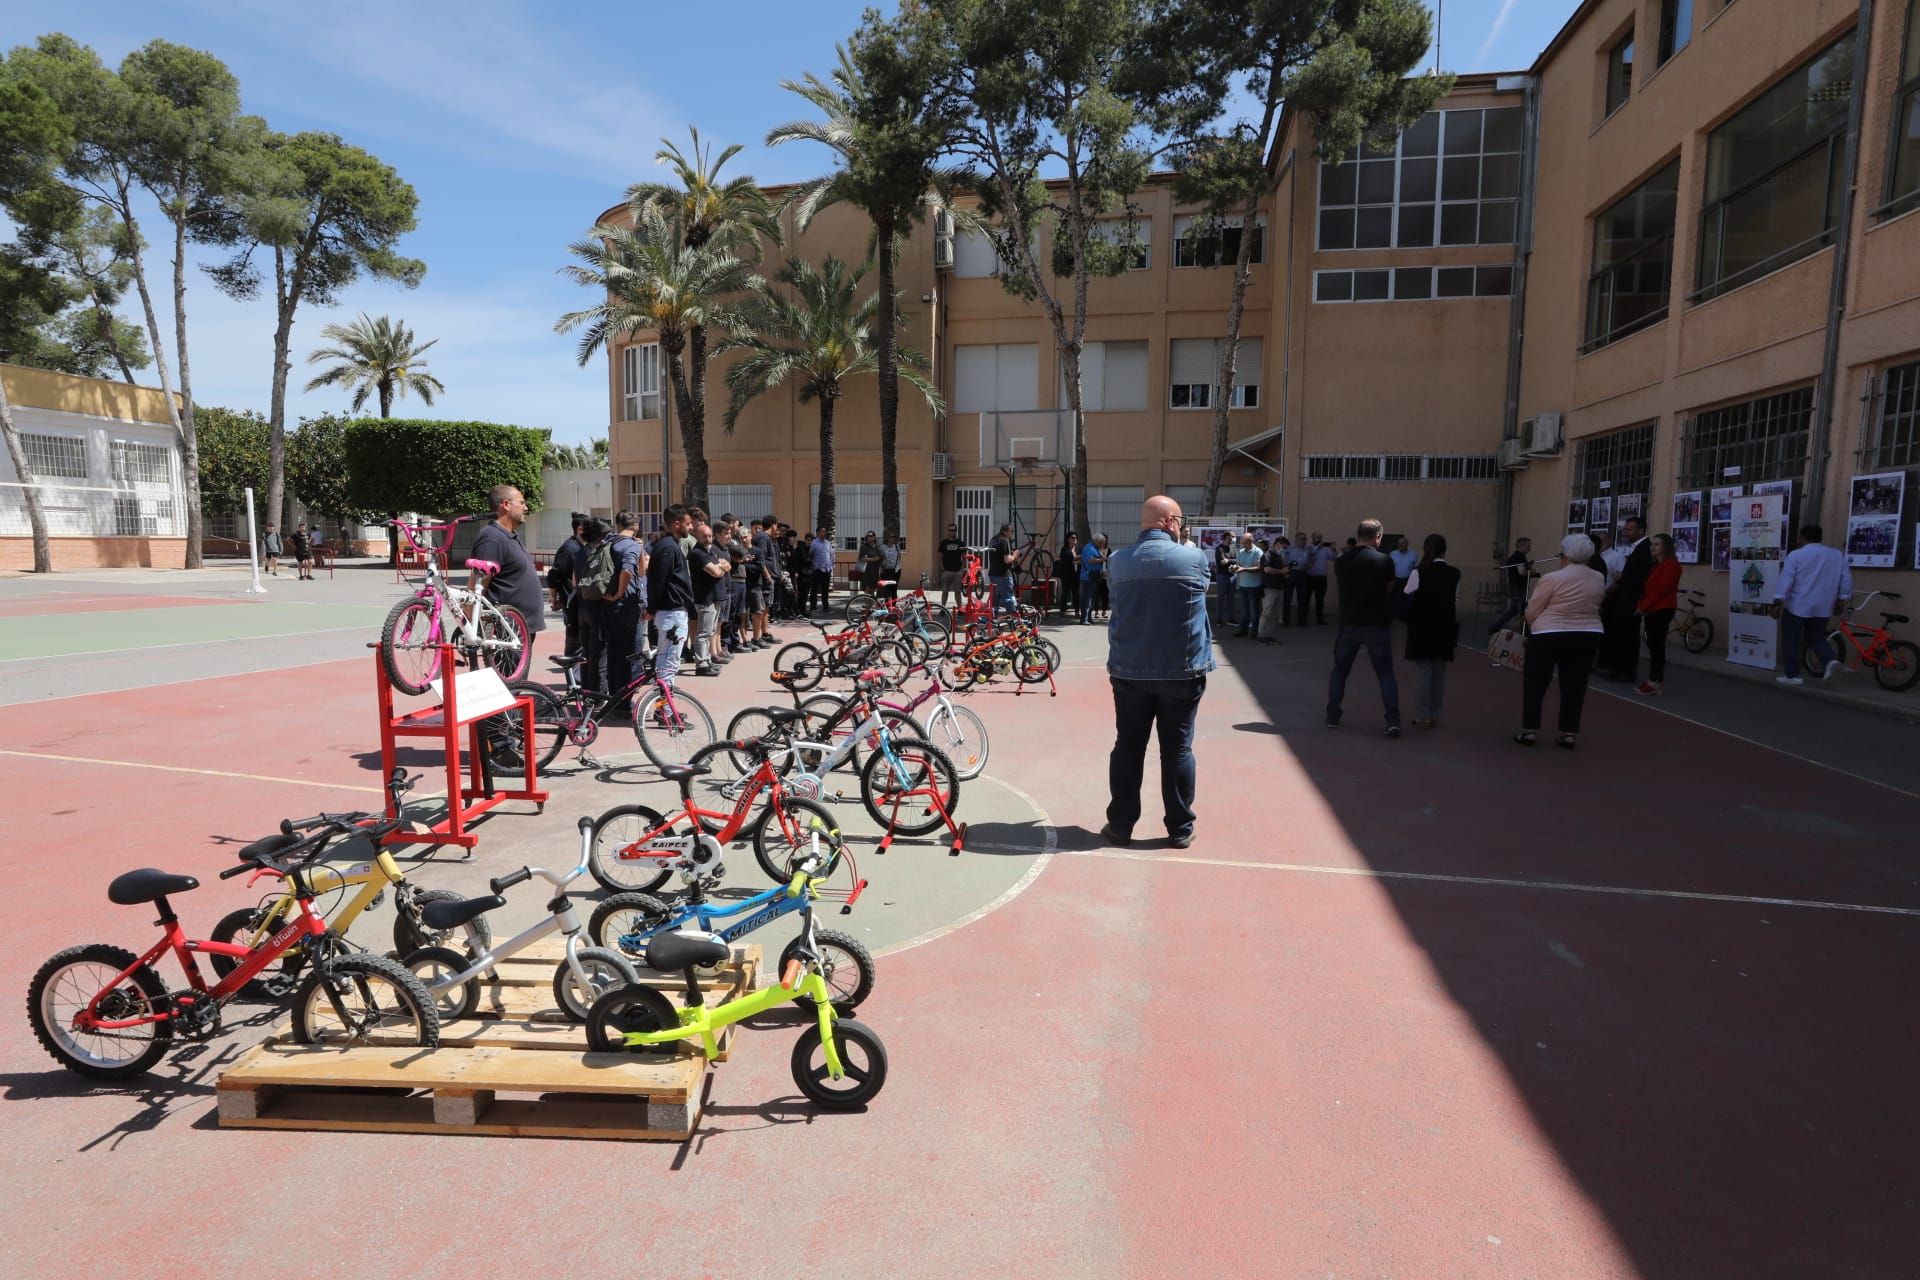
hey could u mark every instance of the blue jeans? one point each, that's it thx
(672, 626)
(1140, 708)
(1002, 593)
(1378, 642)
(1250, 607)
(1796, 631)
(1090, 587)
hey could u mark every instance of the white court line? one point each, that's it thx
(1050, 845)
(177, 644)
(209, 773)
(1497, 882)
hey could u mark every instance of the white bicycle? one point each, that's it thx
(441, 614)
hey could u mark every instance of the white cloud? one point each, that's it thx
(1493, 33)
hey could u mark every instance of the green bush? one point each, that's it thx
(439, 468)
(234, 455)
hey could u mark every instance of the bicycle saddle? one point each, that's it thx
(672, 952)
(562, 662)
(684, 772)
(451, 915)
(784, 715)
(145, 885)
(1894, 617)
(482, 566)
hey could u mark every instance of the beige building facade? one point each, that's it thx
(1611, 276)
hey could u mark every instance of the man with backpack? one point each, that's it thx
(593, 577)
(560, 583)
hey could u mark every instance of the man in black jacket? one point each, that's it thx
(1366, 620)
(560, 582)
(1622, 617)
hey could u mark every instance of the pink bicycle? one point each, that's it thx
(440, 613)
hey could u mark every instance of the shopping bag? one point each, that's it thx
(1508, 648)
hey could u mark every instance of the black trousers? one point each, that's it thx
(1315, 590)
(1657, 623)
(1622, 653)
(1568, 654)
(622, 626)
(1141, 710)
(571, 612)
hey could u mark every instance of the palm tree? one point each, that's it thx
(650, 281)
(375, 357)
(886, 143)
(817, 337)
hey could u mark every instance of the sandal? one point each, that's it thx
(1525, 737)
(1564, 740)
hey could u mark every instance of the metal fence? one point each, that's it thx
(135, 510)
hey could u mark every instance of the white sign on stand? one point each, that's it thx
(480, 693)
(1753, 570)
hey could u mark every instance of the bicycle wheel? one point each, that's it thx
(1811, 664)
(1898, 667)
(613, 831)
(503, 736)
(935, 635)
(860, 607)
(410, 933)
(1037, 566)
(671, 724)
(408, 645)
(432, 965)
(802, 664)
(627, 918)
(506, 644)
(863, 1060)
(240, 927)
(784, 835)
(901, 798)
(845, 963)
(962, 735)
(959, 673)
(1030, 665)
(605, 971)
(893, 659)
(382, 1003)
(634, 1008)
(1698, 635)
(68, 983)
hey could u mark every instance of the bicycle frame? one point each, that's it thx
(763, 778)
(373, 877)
(565, 921)
(704, 915)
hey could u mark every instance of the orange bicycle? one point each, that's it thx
(1895, 662)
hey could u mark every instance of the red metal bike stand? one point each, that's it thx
(932, 793)
(444, 722)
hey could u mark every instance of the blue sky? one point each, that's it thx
(517, 124)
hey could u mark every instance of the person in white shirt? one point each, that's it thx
(1814, 582)
(1405, 560)
(1313, 588)
(1613, 555)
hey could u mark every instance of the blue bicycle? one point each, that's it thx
(625, 921)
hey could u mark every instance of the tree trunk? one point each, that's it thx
(103, 321)
(1078, 514)
(828, 514)
(887, 348)
(693, 418)
(189, 438)
(1230, 348)
(189, 449)
(386, 397)
(29, 495)
(277, 396)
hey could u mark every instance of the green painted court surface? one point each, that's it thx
(58, 635)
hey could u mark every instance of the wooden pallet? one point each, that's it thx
(563, 1093)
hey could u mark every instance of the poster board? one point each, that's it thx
(1600, 514)
(1686, 526)
(1722, 536)
(1627, 506)
(1720, 504)
(1873, 519)
(1754, 559)
(1577, 515)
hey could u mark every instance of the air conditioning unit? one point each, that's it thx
(1511, 456)
(1542, 435)
(942, 466)
(943, 241)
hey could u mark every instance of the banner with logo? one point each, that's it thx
(1758, 524)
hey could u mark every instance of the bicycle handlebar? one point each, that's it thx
(500, 884)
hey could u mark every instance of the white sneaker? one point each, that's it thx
(1789, 679)
(1833, 669)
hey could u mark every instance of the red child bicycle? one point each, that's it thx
(1895, 662)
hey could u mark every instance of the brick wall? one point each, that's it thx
(98, 553)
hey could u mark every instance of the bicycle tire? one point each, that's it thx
(860, 607)
(511, 662)
(677, 743)
(858, 959)
(550, 722)
(411, 999)
(1030, 665)
(115, 960)
(435, 964)
(1899, 666)
(397, 637)
(605, 867)
(962, 734)
(634, 1008)
(803, 664)
(862, 1056)
(623, 914)
(1698, 635)
(410, 936)
(247, 921)
(777, 860)
(883, 795)
(608, 970)
(1037, 565)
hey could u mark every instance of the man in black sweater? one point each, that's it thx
(1622, 609)
(516, 583)
(1366, 621)
(670, 593)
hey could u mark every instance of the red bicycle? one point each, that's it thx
(103, 1012)
(1895, 662)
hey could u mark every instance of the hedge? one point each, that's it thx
(439, 468)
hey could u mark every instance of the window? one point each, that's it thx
(1774, 174)
(644, 500)
(1006, 377)
(1615, 464)
(1400, 466)
(1676, 27)
(135, 462)
(1896, 429)
(1113, 377)
(1412, 284)
(1138, 237)
(641, 365)
(1903, 166)
(857, 509)
(1114, 509)
(1215, 242)
(1764, 439)
(1194, 372)
(974, 256)
(1619, 73)
(55, 457)
(748, 501)
(1451, 177)
(1632, 261)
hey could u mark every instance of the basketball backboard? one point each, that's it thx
(1043, 437)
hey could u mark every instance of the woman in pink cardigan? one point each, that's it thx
(1563, 634)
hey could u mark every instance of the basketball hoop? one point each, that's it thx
(1025, 463)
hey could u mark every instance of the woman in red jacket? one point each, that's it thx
(1658, 600)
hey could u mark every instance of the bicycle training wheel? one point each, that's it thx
(672, 725)
(615, 868)
(408, 647)
(1899, 666)
(901, 798)
(1698, 635)
(382, 1002)
(962, 735)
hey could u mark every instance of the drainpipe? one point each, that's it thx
(1822, 433)
(1516, 321)
(666, 438)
